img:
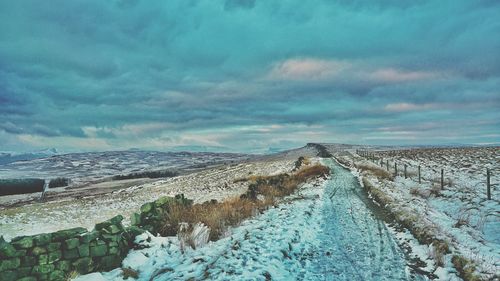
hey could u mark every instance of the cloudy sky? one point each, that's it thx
(247, 75)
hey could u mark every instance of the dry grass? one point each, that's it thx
(376, 171)
(421, 192)
(129, 273)
(465, 268)
(263, 191)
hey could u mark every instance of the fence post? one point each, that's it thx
(442, 179)
(419, 178)
(488, 186)
(387, 165)
(382, 162)
(405, 172)
(395, 169)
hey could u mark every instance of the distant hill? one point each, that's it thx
(10, 157)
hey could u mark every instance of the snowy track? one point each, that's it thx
(324, 232)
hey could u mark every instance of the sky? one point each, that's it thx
(247, 75)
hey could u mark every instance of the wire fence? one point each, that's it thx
(442, 177)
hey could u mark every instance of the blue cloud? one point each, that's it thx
(247, 73)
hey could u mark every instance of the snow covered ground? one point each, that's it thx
(88, 167)
(216, 183)
(461, 213)
(326, 231)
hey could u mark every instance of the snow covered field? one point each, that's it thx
(326, 231)
(460, 213)
(216, 183)
(88, 167)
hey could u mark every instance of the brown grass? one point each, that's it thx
(263, 191)
(376, 171)
(466, 268)
(129, 273)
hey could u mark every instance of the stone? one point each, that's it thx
(117, 219)
(7, 250)
(113, 250)
(23, 272)
(102, 225)
(43, 269)
(113, 229)
(63, 265)
(71, 254)
(43, 259)
(134, 231)
(54, 256)
(83, 265)
(165, 200)
(146, 208)
(8, 275)
(62, 235)
(23, 242)
(38, 251)
(110, 237)
(98, 251)
(28, 261)
(71, 243)
(135, 219)
(57, 275)
(43, 277)
(88, 237)
(55, 246)
(110, 262)
(9, 264)
(28, 278)
(42, 239)
(84, 250)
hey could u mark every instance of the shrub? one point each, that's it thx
(58, 182)
(20, 186)
(147, 174)
(218, 216)
(465, 268)
(376, 171)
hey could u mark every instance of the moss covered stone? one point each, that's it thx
(146, 208)
(116, 220)
(36, 251)
(27, 278)
(23, 271)
(42, 239)
(83, 265)
(7, 264)
(43, 269)
(54, 246)
(63, 265)
(57, 275)
(54, 256)
(71, 254)
(8, 275)
(88, 237)
(62, 235)
(98, 251)
(135, 219)
(7, 250)
(71, 243)
(43, 259)
(24, 242)
(28, 261)
(110, 262)
(84, 250)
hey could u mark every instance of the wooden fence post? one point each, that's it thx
(488, 185)
(405, 172)
(442, 179)
(382, 162)
(387, 165)
(395, 169)
(419, 178)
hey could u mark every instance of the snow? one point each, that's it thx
(325, 230)
(477, 237)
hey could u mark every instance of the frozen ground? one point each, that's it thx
(216, 183)
(326, 231)
(460, 213)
